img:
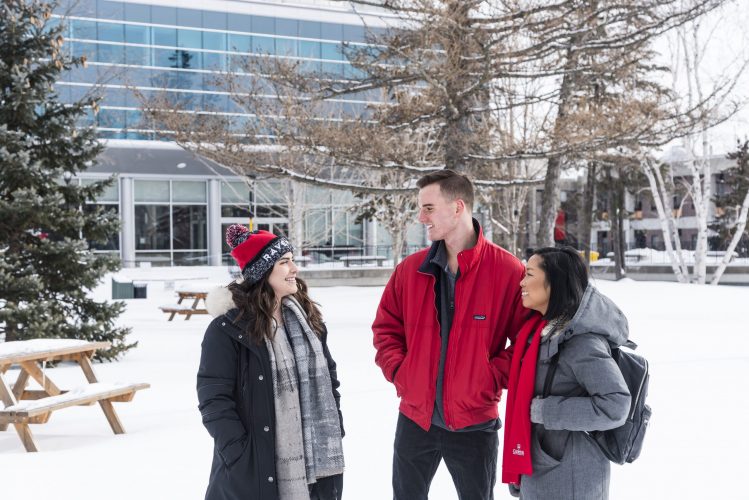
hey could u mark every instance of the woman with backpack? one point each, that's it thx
(547, 450)
(267, 384)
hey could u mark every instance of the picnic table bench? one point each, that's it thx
(187, 310)
(362, 259)
(22, 406)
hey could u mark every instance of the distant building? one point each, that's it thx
(173, 207)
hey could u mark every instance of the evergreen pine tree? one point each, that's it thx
(733, 184)
(46, 266)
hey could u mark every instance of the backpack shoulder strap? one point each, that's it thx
(550, 374)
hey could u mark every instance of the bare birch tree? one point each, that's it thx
(710, 104)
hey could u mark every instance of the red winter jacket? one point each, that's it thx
(488, 312)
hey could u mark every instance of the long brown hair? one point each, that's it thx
(258, 300)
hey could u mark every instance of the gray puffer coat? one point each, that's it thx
(588, 393)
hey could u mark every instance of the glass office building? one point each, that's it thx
(174, 207)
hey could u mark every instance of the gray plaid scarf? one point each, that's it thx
(307, 424)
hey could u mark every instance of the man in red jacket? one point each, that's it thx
(441, 332)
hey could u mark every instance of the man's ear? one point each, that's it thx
(460, 206)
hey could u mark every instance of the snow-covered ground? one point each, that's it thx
(695, 337)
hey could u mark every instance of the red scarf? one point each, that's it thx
(516, 454)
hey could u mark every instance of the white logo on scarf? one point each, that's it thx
(518, 451)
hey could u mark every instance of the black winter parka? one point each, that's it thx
(235, 395)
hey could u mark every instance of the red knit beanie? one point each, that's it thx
(255, 252)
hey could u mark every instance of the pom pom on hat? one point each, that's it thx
(236, 234)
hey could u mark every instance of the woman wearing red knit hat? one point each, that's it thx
(267, 384)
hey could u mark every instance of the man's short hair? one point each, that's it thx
(453, 185)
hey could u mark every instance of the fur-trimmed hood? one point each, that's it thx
(219, 300)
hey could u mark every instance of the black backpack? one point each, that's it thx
(622, 444)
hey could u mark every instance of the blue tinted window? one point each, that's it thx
(135, 101)
(214, 41)
(186, 100)
(84, 49)
(111, 32)
(165, 36)
(262, 24)
(331, 31)
(63, 91)
(82, 8)
(263, 45)
(78, 93)
(309, 66)
(239, 22)
(353, 33)
(78, 73)
(287, 27)
(214, 20)
(139, 77)
(331, 51)
(165, 58)
(211, 82)
(191, 80)
(163, 15)
(353, 73)
(239, 43)
(189, 17)
(215, 102)
(192, 39)
(109, 10)
(138, 136)
(134, 118)
(176, 80)
(186, 59)
(216, 62)
(108, 134)
(240, 123)
(238, 62)
(114, 97)
(309, 29)
(111, 118)
(233, 107)
(111, 54)
(88, 118)
(140, 56)
(334, 70)
(286, 47)
(309, 49)
(137, 12)
(54, 22)
(137, 34)
(84, 29)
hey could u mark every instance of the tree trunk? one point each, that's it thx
(661, 199)
(550, 196)
(740, 226)
(614, 212)
(586, 221)
(296, 214)
(10, 331)
(620, 240)
(398, 239)
(549, 202)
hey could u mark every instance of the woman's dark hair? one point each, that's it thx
(258, 301)
(567, 278)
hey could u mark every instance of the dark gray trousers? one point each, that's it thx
(470, 457)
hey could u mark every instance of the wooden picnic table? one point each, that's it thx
(196, 295)
(22, 406)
